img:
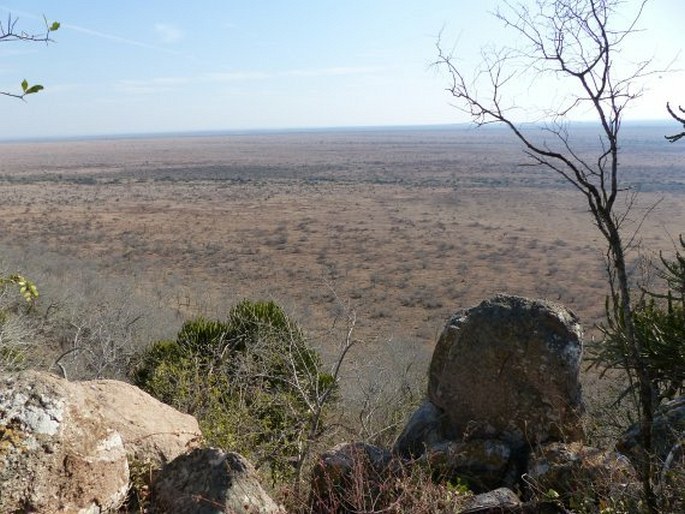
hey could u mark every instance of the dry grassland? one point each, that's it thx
(404, 225)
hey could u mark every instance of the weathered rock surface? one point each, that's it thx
(505, 501)
(509, 369)
(668, 429)
(347, 473)
(504, 377)
(152, 431)
(484, 464)
(427, 427)
(210, 481)
(496, 501)
(55, 455)
(583, 475)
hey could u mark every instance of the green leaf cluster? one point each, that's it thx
(26, 287)
(252, 381)
(29, 90)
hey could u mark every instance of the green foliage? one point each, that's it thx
(27, 288)
(659, 321)
(12, 358)
(673, 272)
(662, 330)
(252, 381)
(29, 90)
(202, 337)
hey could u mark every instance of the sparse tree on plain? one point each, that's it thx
(578, 43)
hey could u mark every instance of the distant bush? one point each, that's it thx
(252, 381)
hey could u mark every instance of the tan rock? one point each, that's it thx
(151, 430)
(65, 446)
(56, 456)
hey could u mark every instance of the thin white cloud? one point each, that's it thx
(118, 39)
(333, 71)
(168, 33)
(235, 76)
(96, 33)
(157, 84)
(154, 85)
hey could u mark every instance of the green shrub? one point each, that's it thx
(252, 381)
(662, 328)
(659, 321)
(202, 337)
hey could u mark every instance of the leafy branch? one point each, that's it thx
(10, 33)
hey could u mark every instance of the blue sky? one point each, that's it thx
(156, 66)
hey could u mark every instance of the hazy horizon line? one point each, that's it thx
(665, 122)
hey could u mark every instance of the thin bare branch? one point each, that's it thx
(575, 41)
(678, 117)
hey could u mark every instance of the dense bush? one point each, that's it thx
(252, 381)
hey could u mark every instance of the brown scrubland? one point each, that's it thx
(129, 237)
(402, 225)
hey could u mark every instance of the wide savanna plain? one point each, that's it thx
(404, 226)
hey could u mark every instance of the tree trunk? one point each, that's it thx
(646, 392)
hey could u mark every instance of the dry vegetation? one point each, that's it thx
(127, 238)
(405, 225)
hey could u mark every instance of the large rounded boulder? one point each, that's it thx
(509, 369)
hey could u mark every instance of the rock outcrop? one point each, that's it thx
(152, 431)
(509, 369)
(584, 476)
(66, 446)
(484, 464)
(427, 427)
(504, 378)
(495, 501)
(347, 474)
(210, 481)
(668, 431)
(56, 455)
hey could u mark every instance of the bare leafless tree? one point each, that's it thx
(678, 117)
(576, 43)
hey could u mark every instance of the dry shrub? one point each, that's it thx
(86, 324)
(672, 479)
(374, 483)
